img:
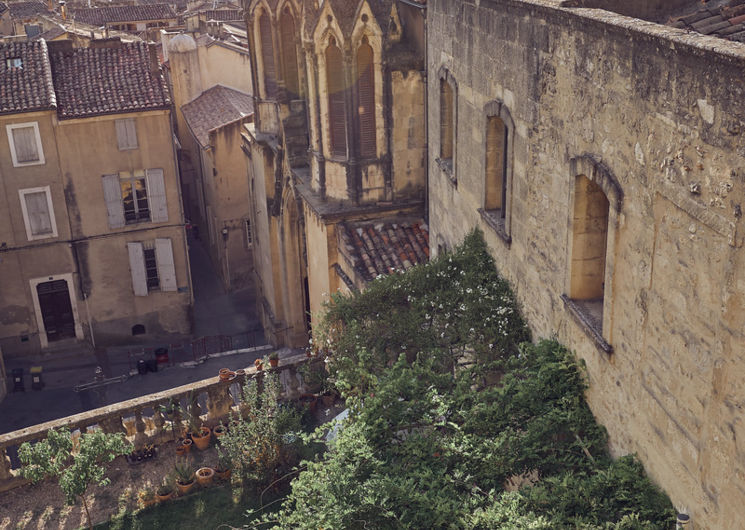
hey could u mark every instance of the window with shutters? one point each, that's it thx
(289, 53)
(249, 233)
(366, 95)
(126, 134)
(25, 144)
(267, 56)
(38, 213)
(447, 122)
(135, 197)
(152, 267)
(336, 105)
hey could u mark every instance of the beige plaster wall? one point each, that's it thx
(409, 134)
(225, 66)
(661, 109)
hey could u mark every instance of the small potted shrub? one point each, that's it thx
(224, 466)
(219, 430)
(166, 490)
(259, 364)
(274, 359)
(205, 475)
(184, 477)
(200, 434)
(147, 497)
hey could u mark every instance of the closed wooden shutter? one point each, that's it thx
(289, 54)
(337, 108)
(166, 268)
(113, 196)
(24, 141)
(156, 191)
(126, 133)
(37, 209)
(267, 56)
(137, 268)
(366, 92)
(446, 120)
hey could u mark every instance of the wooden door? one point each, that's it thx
(56, 310)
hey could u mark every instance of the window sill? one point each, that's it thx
(446, 165)
(587, 322)
(492, 218)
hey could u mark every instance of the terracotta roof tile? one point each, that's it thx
(382, 247)
(95, 81)
(215, 108)
(99, 16)
(3, 8)
(28, 9)
(727, 22)
(223, 14)
(29, 87)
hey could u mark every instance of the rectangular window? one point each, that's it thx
(38, 213)
(25, 144)
(134, 196)
(126, 134)
(249, 233)
(14, 62)
(152, 266)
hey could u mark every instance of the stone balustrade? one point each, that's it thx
(151, 419)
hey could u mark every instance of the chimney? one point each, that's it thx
(62, 10)
(154, 60)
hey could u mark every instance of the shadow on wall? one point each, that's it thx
(653, 10)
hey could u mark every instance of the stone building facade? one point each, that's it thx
(602, 156)
(338, 136)
(92, 238)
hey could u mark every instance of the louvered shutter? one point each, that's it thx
(126, 133)
(166, 268)
(37, 209)
(156, 192)
(337, 109)
(366, 93)
(24, 141)
(112, 194)
(137, 268)
(267, 56)
(289, 54)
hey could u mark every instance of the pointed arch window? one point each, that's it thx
(496, 166)
(366, 93)
(267, 56)
(289, 53)
(337, 108)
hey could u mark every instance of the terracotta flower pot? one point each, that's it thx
(202, 440)
(219, 430)
(186, 443)
(180, 450)
(164, 498)
(223, 474)
(224, 374)
(259, 365)
(310, 400)
(205, 475)
(273, 363)
(183, 489)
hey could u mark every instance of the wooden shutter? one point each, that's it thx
(267, 56)
(112, 194)
(37, 209)
(289, 54)
(337, 108)
(126, 133)
(366, 93)
(446, 120)
(24, 141)
(137, 268)
(166, 268)
(156, 192)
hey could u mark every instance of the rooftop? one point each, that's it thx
(107, 80)
(724, 19)
(381, 247)
(27, 9)
(25, 78)
(98, 16)
(215, 108)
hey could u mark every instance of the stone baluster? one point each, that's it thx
(290, 383)
(141, 439)
(113, 424)
(194, 408)
(161, 433)
(6, 472)
(219, 403)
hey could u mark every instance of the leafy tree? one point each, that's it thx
(75, 466)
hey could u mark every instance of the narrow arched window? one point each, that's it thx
(447, 120)
(496, 165)
(267, 56)
(366, 93)
(289, 53)
(337, 109)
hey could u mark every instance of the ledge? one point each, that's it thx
(585, 322)
(446, 165)
(490, 217)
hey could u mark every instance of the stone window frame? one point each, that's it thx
(502, 226)
(447, 165)
(284, 8)
(9, 128)
(323, 104)
(595, 171)
(30, 235)
(262, 8)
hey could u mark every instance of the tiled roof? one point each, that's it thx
(95, 81)
(215, 108)
(376, 248)
(3, 8)
(98, 16)
(28, 9)
(30, 87)
(223, 14)
(52, 33)
(727, 22)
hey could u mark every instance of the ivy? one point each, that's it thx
(450, 407)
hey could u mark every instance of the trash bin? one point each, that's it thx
(152, 365)
(161, 355)
(17, 375)
(142, 367)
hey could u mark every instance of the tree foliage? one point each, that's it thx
(449, 405)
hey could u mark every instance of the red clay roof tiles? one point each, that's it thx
(28, 87)
(215, 108)
(99, 16)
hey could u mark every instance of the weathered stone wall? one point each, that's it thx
(661, 113)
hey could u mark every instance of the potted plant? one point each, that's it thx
(185, 446)
(224, 466)
(166, 490)
(274, 359)
(184, 476)
(219, 430)
(205, 475)
(147, 497)
(200, 434)
(259, 364)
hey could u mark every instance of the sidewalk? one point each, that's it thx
(215, 313)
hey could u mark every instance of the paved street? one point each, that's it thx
(215, 313)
